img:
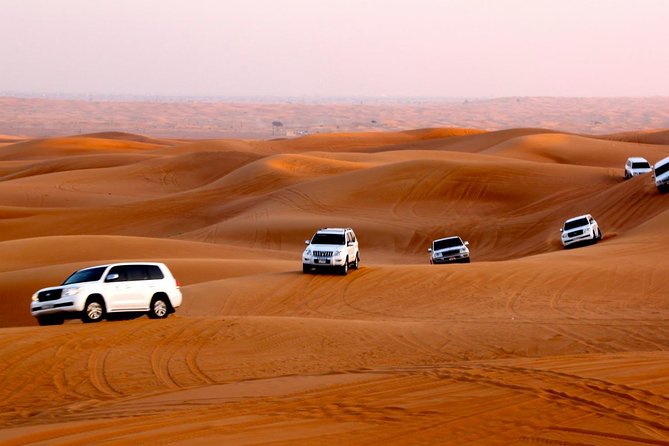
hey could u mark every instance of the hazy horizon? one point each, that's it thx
(346, 49)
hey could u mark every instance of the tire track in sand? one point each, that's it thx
(97, 361)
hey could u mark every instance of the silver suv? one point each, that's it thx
(92, 293)
(334, 248)
(661, 175)
(580, 229)
(449, 250)
(636, 166)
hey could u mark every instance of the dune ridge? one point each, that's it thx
(529, 344)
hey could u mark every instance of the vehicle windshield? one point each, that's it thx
(328, 239)
(575, 223)
(447, 243)
(640, 165)
(662, 169)
(86, 275)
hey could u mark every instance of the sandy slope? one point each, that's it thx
(529, 344)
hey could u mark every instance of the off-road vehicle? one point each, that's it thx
(636, 166)
(580, 229)
(661, 175)
(449, 250)
(94, 292)
(331, 248)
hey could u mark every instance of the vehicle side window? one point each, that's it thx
(121, 271)
(352, 234)
(137, 272)
(154, 272)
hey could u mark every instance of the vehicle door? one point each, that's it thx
(350, 245)
(155, 283)
(140, 287)
(117, 289)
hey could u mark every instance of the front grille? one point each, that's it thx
(45, 296)
(322, 253)
(60, 305)
(575, 233)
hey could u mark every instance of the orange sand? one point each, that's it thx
(529, 344)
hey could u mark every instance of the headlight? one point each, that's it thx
(338, 252)
(307, 252)
(35, 298)
(71, 291)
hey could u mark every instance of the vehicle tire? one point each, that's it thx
(50, 319)
(356, 264)
(160, 307)
(94, 310)
(599, 234)
(467, 260)
(344, 268)
(306, 269)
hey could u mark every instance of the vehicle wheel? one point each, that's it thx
(159, 308)
(94, 310)
(467, 260)
(344, 268)
(599, 234)
(356, 264)
(306, 269)
(50, 319)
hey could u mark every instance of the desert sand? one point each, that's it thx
(530, 344)
(255, 118)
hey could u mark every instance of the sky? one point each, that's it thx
(336, 48)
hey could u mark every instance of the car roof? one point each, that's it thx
(121, 264)
(637, 159)
(579, 217)
(448, 238)
(662, 162)
(333, 230)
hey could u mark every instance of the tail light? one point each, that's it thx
(178, 283)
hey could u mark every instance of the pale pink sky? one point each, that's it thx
(450, 48)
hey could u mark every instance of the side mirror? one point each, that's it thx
(111, 278)
(560, 229)
(429, 249)
(466, 243)
(306, 242)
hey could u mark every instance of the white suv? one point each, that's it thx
(661, 175)
(583, 228)
(636, 166)
(332, 248)
(94, 292)
(449, 250)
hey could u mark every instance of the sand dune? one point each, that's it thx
(529, 344)
(253, 118)
(642, 137)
